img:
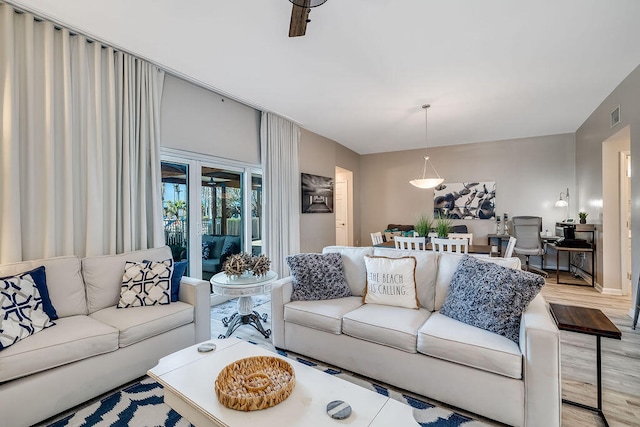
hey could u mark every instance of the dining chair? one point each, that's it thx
(468, 236)
(376, 238)
(508, 253)
(459, 246)
(411, 243)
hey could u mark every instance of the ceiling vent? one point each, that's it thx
(615, 116)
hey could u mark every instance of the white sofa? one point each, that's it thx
(424, 351)
(94, 347)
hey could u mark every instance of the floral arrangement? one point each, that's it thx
(238, 264)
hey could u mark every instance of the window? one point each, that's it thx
(212, 208)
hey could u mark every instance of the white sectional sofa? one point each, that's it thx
(94, 347)
(424, 351)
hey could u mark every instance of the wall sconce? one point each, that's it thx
(561, 203)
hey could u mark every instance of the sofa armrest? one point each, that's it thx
(197, 293)
(540, 346)
(281, 291)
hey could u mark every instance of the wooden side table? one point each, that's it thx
(590, 321)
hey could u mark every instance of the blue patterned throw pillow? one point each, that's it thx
(39, 277)
(317, 277)
(490, 296)
(21, 309)
(146, 283)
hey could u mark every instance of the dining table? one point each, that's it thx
(473, 249)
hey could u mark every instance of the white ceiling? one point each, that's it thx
(491, 69)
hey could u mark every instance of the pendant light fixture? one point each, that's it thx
(308, 3)
(425, 182)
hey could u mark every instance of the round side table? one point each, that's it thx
(244, 287)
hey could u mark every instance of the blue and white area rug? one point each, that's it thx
(141, 405)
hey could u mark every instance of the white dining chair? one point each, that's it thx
(459, 246)
(468, 236)
(376, 238)
(508, 253)
(411, 243)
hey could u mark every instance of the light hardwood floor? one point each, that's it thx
(620, 360)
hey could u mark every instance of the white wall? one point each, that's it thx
(589, 160)
(198, 120)
(529, 173)
(320, 156)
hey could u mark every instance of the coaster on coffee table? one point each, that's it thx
(338, 410)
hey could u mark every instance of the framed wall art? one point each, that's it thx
(317, 194)
(466, 200)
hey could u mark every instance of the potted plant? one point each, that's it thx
(443, 226)
(583, 217)
(423, 225)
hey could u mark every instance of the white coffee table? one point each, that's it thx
(244, 287)
(188, 379)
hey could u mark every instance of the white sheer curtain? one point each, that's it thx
(280, 142)
(79, 147)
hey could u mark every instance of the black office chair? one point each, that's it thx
(526, 229)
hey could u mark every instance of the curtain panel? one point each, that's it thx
(280, 147)
(79, 147)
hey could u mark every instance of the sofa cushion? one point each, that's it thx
(103, 275)
(391, 281)
(491, 296)
(73, 338)
(21, 310)
(317, 276)
(139, 323)
(454, 341)
(355, 272)
(447, 265)
(426, 271)
(64, 282)
(383, 324)
(211, 265)
(215, 244)
(325, 315)
(146, 283)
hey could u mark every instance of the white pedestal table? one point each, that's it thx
(244, 287)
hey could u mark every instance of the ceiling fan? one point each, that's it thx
(300, 16)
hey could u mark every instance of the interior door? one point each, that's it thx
(342, 209)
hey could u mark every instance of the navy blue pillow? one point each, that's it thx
(40, 278)
(178, 271)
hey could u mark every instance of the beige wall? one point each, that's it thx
(529, 173)
(198, 120)
(589, 164)
(320, 156)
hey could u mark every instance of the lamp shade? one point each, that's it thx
(561, 203)
(308, 3)
(426, 182)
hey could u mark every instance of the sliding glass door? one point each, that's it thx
(212, 210)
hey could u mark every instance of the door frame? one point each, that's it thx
(195, 163)
(348, 177)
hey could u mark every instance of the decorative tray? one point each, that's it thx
(255, 383)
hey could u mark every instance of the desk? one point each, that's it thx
(473, 249)
(570, 250)
(590, 321)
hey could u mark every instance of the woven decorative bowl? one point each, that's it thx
(254, 383)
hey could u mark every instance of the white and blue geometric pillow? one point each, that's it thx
(21, 310)
(146, 283)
